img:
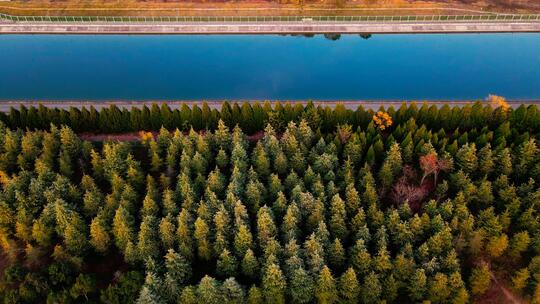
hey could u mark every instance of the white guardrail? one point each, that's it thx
(307, 19)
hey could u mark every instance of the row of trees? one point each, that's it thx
(253, 117)
(402, 214)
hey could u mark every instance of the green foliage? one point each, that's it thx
(273, 284)
(304, 212)
(325, 290)
(480, 279)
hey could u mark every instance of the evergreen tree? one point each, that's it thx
(250, 265)
(348, 287)
(273, 284)
(201, 234)
(325, 290)
(301, 287)
(232, 291)
(466, 158)
(338, 218)
(208, 291)
(226, 264)
(255, 295)
(480, 279)
(147, 245)
(99, 233)
(167, 232)
(372, 289)
(418, 285)
(486, 162)
(178, 272)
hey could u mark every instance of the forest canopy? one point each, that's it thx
(270, 204)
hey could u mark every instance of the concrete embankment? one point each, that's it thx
(268, 28)
(5, 106)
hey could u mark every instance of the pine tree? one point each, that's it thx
(418, 285)
(84, 285)
(360, 258)
(348, 287)
(371, 289)
(527, 153)
(480, 279)
(338, 218)
(504, 162)
(273, 284)
(314, 254)
(201, 234)
(226, 264)
(336, 255)
(208, 291)
(72, 227)
(147, 245)
(486, 162)
(151, 290)
(255, 295)
(169, 203)
(466, 158)
(520, 279)
(301, 287)
(497, 245)
(99, 233)
(243, 240)
(178, 272)
(438, 288)
(188, 296)
(167, 232)
(232, 292)
(519, 244)
(250, 265)
(325, 290)
(266, 229)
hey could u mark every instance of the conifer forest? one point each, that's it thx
(270, 203)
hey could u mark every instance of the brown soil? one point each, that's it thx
(4, 263)
(499, 292)
(105, 268)
(105, 137)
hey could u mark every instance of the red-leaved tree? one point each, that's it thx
(431, 164)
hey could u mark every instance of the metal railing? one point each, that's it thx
(165, 19)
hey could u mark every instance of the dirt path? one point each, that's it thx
(507, 293)
(135, 136)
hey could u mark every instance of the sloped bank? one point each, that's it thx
(266, 28)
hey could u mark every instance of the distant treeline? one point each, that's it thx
(253, 117)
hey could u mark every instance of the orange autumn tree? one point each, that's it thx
(498, 101)
(382, 120)
(145, 137)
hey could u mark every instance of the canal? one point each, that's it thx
(153, 67)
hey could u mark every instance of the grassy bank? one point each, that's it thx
(254, 8)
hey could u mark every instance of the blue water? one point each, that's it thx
(460, 66)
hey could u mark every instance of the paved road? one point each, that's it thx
(216, 104)
(269, 27)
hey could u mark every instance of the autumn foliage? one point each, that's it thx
(432, 165)
(382, 120)
(145, 136)
(405, 190)
(498, 102)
